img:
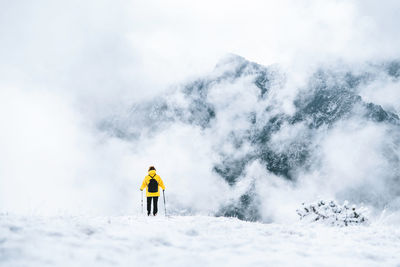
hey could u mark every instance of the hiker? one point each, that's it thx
(152, 182)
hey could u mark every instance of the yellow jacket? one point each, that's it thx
(146, 182)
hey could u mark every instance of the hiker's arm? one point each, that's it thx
(144, 184)
(161, 183)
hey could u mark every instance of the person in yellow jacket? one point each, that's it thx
(152, 182)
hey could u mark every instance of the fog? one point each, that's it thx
(68, 66)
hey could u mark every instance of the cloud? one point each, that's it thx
(67, 65)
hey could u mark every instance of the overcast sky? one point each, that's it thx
(104, 48)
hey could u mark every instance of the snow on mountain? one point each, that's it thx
(190, 241)
(268, 136)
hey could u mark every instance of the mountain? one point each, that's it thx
(240, 103)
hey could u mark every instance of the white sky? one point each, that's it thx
(106, 48)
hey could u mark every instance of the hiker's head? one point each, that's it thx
(151, 168)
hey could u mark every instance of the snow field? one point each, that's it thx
(190, 241)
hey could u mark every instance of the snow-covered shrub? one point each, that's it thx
(332, 213)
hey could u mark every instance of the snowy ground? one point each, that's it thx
(190, 241)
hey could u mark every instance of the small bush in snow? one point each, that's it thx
(332, 213)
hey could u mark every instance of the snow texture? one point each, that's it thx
(333, 214)
(190, 241)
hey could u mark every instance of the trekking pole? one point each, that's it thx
(165, 208)
(142, 202)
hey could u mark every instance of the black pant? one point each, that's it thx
(155, 208)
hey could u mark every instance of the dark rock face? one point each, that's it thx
(329, 97)
(231, 169)
(200, 111)
(393, 68)
(246, 208)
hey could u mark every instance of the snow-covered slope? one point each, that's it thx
(190, 241)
